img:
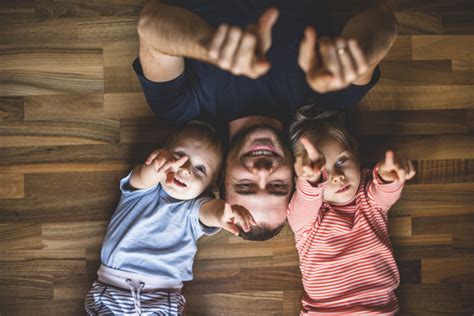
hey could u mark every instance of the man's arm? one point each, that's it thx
(351, 58)
(169, 33)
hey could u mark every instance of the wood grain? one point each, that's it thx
(74, 120)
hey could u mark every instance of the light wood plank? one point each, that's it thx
(13, 186)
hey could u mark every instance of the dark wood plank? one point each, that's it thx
(11, 109)
(59, 132)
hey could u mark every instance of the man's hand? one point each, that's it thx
(242, 52)
(338, 64)
(396, 168)
(235, 216)
(309, 165)
(164, 164)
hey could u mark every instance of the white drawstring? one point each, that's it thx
(136, 295)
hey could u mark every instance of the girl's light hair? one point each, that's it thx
(315, 125)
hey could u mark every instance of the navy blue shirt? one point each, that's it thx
(206, 92)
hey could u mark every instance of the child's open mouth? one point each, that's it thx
(179, 182)
(343, 189)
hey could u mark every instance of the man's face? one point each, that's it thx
(259, 174)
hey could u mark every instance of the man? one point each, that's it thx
(207, 60)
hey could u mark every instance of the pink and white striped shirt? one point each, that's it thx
(345, 254)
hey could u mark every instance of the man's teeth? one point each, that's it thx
(261, 153)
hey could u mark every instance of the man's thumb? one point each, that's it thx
(265, 25)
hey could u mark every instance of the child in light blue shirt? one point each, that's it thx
(150, 244)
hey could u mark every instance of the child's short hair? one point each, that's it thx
(312, 123)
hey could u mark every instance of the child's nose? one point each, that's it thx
(338, 177)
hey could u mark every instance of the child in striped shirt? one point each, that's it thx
(339, 217)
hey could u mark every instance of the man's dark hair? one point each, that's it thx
(260, 233)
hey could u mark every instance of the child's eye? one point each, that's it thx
(201, 168)
(341, 161)
(178, 154)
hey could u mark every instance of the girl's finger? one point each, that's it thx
(310, 149)
(389, 163)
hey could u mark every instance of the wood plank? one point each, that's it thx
(419, 72)
(214, 281)
(430, 299)
(147, 130)
(59, 132)
(37, 33)
(419, 22)
(435, 47)
(70, 9)
(43, 307)
(399, 226)
(422, 240)
(26, 255)
(270, 278)
(20, 237)
(448, 270)
(126, 105)
(66, 167)
(11, 109)
(114, 153)
(247, 250)
(411, 122)
(417, 97)
(13, 186)
(73, 235)
(28, 70)
(108, 29)
(120, 53)
(239, 304)
(427, 200)
(61, 106)
(121, 80)
(463, 71)
(401, 49)
(420, 147)
(410, 271)
(445, 171)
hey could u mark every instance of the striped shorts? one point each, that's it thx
(104, 299)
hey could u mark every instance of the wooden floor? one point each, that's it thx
(73, 120)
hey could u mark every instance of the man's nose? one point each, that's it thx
(262, 168)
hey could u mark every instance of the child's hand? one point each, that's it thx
(165, 164)
(310, 164)
(395, 167)
(234, 216)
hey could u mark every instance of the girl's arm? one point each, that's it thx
(304, 205)
(308, 198)
(389, 177)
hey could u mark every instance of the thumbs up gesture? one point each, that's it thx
(396, 168)
(242, 52)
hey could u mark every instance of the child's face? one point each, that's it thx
(197, 174)
(343, 170)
